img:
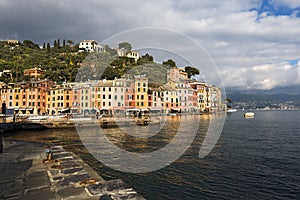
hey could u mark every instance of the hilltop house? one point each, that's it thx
(90, 46)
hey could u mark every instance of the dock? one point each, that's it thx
(32, 171)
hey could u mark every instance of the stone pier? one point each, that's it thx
(31, 171)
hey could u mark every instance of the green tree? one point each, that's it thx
(70, 42)
(112, 52)
(125, 45)
(191, 71)
(30, 44)
(170, 63)
(145, 59)
(55, 43)
(48, 47)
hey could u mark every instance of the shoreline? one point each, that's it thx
(31, 170)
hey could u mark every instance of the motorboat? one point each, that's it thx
(249, 114)
(231, 110)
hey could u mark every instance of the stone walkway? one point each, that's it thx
(27, 173)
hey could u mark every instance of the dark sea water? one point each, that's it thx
(254, 158)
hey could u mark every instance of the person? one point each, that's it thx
(140, 114)
(97, 115)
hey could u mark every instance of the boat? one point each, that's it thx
(145, 121)
(231, 110)
(37, 117)
(249, 114)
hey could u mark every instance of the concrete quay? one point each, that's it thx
(31, 171)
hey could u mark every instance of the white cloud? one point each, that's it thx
(263, 77)
(235, 35)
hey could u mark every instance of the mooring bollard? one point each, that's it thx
(1, 141)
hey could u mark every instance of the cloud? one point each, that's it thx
(262, 77)
(239, 36)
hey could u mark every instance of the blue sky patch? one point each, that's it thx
(273, 9)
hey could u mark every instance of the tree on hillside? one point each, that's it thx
(17, 72)
(70, 42)
(125, 45)
(30, 44)
(112, 52)
(55, 43)
(169, 63)
(48, 47)
(191, 71)
(145, 59)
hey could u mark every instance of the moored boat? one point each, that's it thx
(231, 110)
(249, 114)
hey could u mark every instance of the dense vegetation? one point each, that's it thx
(63, 62)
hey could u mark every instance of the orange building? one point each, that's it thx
(35, 72)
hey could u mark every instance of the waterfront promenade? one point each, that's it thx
(33, 171)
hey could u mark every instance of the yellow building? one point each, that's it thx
(141, 91)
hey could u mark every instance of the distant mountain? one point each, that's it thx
(260, 100)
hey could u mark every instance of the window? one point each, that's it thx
(103, 96)
(103, 104)
(109, 103)
(116, 97)
(109, 96)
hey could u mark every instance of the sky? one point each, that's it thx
(255, 44)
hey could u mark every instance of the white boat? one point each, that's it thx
(249, 114)
(231, 110)
(37, 117)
